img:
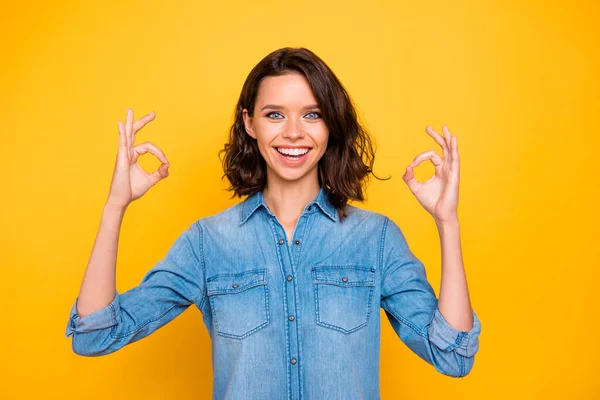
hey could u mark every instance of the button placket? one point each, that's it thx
(287, 256)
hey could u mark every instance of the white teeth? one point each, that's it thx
(294, 151)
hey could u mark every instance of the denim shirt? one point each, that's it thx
(298, 320)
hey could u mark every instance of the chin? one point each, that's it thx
(291, 174)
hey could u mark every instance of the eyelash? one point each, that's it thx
(312, 112)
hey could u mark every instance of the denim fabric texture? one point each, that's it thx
(297, 320)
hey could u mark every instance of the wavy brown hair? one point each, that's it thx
(348, 159)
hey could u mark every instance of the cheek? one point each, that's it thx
(321, 138)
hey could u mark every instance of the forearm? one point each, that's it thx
(99, 281)
(454, 303)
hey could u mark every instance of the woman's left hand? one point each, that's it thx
(438, 195)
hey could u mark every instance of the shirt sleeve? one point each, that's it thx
(166, 290)
(412, 309)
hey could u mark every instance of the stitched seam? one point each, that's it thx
(304, 235)
(251, 331)
(113, 313)
(381, 246)
(203, 299)
(140, 327)
(466, 340)
(405, 321)
(297, 309)
(285, 308)
(318, 321)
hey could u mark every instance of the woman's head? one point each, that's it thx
(291, 102)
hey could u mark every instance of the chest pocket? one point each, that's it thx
(343, 296)
(239, 302)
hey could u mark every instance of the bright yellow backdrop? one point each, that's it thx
(518, 85)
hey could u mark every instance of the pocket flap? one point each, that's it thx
(235, 283)
(344, 275)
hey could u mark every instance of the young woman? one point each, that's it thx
(290, 281)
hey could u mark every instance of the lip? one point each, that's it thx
(292, 162)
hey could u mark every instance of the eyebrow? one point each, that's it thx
(278, 107)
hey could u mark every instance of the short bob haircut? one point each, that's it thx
(349, 157)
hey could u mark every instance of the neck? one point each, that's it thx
(287, 199)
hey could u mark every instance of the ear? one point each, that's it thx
(248, 123)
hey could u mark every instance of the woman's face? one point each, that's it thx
(287, 124)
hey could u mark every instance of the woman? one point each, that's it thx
(291, 280)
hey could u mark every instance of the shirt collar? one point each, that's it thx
(256, 200)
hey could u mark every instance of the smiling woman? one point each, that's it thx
(294, 111)
(293, 139)
(291, 280)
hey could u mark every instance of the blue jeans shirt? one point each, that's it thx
(288, 320)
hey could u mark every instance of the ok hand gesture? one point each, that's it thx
(130, 181)
(439, 194)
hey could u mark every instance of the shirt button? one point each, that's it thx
(235, 286)
(309, 208)
(293, 361)
(289, 278)
(291, 318)
(281, 241)
(344, 279)
(297, 242)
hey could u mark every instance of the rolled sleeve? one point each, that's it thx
(166, 290)
(446, 338)
(412, 309)
(99, 319)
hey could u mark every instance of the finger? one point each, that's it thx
(453, 144)
(129, 127)
(122, 136)
(161, 173)
(412, 182)
(140, 123)
(146, 147)
(122, 154)
(439, 139)
(455, 158)
(447, 136)
(428, 155)
(124, 149)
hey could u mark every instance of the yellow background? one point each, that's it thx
(517, 82)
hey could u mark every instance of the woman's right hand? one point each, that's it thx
(130, 181)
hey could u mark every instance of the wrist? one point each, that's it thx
(447, 223)
(111, 208)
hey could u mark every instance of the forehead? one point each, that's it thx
(290, 89)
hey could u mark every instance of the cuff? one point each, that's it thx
(102, 318)
(444, 336)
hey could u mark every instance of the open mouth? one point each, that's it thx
(293, 152)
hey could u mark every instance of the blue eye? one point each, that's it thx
(318, 115)
(271, 113)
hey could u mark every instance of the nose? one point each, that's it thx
(293, 129)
